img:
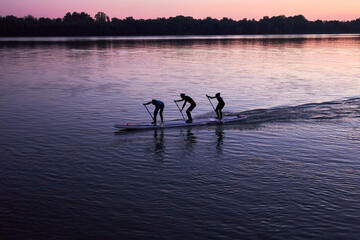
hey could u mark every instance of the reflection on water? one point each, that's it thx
(189, 140)
(159, 148)
(220, 137)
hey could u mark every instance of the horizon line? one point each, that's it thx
(180, 15)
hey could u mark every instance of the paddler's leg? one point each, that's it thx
(218, 110)
(161, 114)
(189, 114)
(155, 115)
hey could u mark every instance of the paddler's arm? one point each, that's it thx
(210, 96)
(147, 103)
(183, 106)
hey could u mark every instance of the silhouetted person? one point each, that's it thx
(220, 105)
(159, 105)
(192, 105)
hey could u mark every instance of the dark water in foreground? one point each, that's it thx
(292, 171)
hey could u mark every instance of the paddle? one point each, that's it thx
(149, 112)
(179, 110)
(211, 103)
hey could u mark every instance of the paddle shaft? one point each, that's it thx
(149, 113)
(179, 110)
(211, 104)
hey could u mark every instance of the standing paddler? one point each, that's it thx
(192, 103)
(159, 105)
(220, 105)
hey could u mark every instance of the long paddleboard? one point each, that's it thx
(181, 123)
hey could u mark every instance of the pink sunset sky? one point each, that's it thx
(145, 9)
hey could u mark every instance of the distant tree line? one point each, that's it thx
(82, 24)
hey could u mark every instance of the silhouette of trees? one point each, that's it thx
(77, 17)
(102, 17)
(82, 24)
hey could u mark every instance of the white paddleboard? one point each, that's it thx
(181, 123)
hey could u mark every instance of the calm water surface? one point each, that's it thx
(292, 171)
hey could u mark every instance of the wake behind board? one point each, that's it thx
(181, 123)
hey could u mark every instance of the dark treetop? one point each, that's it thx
(82, 24)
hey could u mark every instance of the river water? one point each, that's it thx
(292, 170)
